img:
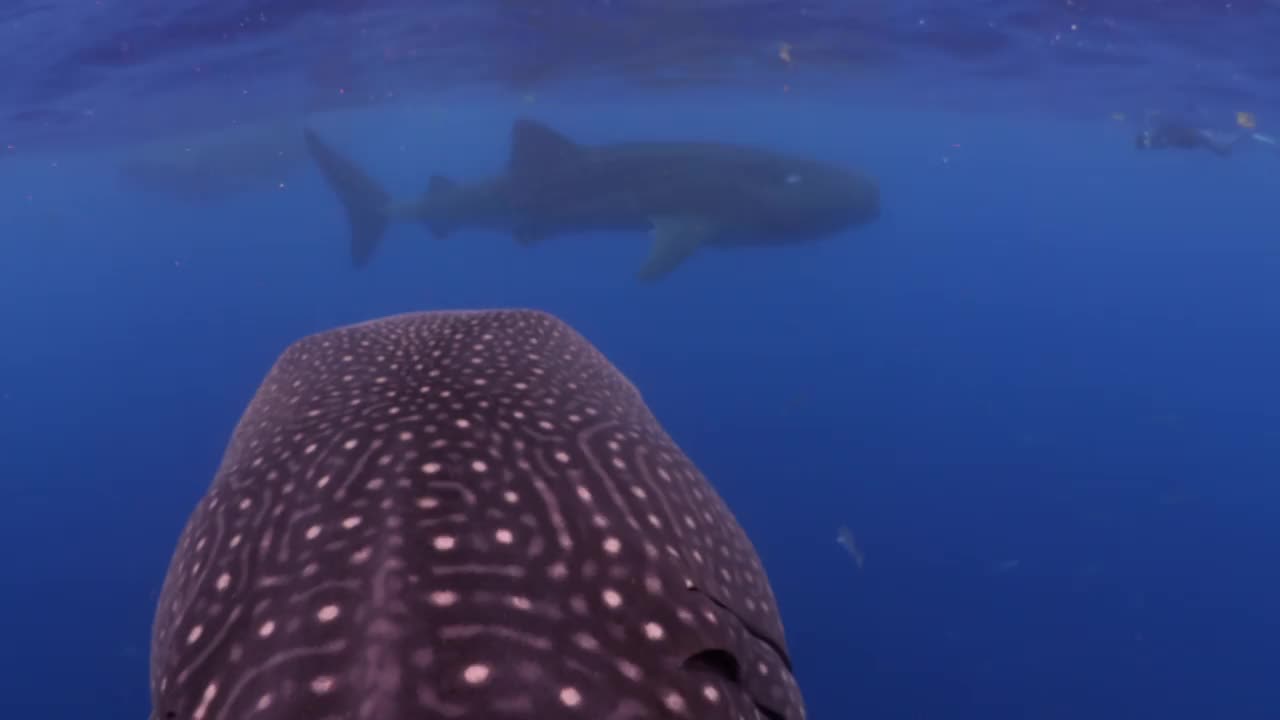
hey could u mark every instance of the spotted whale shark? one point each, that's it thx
(464, 515)
(689, 195)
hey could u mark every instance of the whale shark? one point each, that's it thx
(468, 515)
(689, 195)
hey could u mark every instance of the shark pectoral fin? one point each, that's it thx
(674, 240)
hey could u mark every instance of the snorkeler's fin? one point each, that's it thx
(365, 201)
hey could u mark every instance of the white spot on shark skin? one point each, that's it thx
(444, 598)
(570, 697)
(653, 584)
(476, 674)
(630, 670)
(586, 642)
(210, 692)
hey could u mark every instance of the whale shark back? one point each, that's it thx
(462, 515)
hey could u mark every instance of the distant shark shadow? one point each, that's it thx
(689, 195)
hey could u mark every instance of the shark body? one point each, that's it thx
(462, 516)
(690, 195)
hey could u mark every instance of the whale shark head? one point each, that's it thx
(813, 199)
(464, 515)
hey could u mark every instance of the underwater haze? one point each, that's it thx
(1006, 443)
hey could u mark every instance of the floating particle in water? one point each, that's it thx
(844, 536)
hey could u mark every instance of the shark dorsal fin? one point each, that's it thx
(536, 147)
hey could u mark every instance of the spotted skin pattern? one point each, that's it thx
(462, 515)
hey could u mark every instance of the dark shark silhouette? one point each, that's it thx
(463, 515)
(690, 194)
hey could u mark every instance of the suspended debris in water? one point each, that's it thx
(844, 536)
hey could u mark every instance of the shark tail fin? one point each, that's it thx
(365, 201)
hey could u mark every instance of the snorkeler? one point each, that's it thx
(1175, 135)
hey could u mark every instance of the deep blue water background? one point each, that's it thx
(1051, 349)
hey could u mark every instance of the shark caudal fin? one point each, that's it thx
(365, 201)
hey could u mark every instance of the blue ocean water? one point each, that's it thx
(1040, 390)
